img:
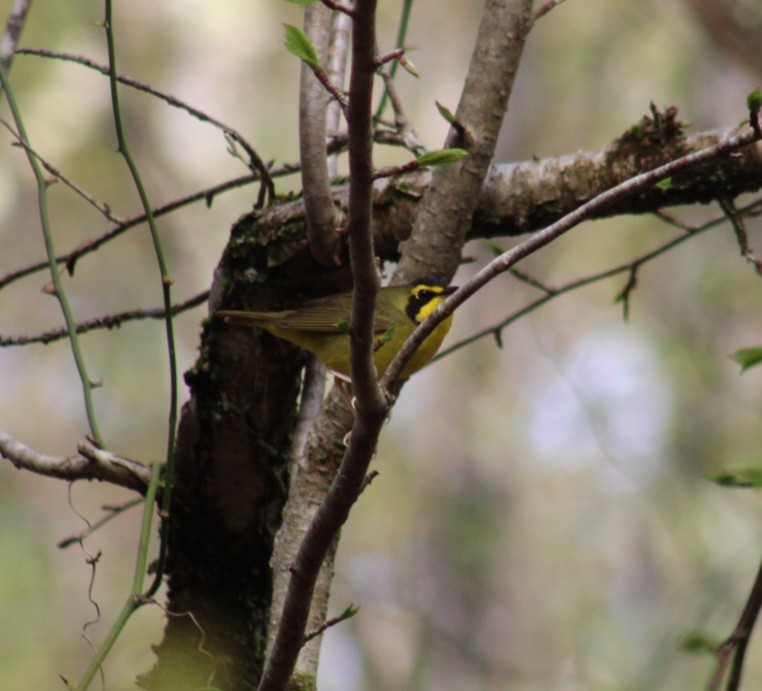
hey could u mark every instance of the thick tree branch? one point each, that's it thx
(442, 222)
(524, 197)
(89, 464)
(321, 215)
(516, 198)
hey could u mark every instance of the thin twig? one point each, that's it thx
(401, 122)
(112, 513)
(544, 9)
(256, 163)
(71, 258)
(550, 294)
(739, 228)
(531, 281)
(391, 171)
(348, 613)
(166, 290)
(103, 208)
(399, 42)
(58, 290)
(107, 321)
(396, 54)
(734, 647)
(339, 7)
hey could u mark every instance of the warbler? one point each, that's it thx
(321, 326)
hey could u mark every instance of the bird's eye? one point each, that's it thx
(425, 295)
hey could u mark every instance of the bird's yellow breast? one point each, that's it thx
(333, 348)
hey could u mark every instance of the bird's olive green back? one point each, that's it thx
(331, 314)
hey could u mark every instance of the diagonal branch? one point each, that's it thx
(734, 647)
(505, 261)
(445, 215)
(552, 293)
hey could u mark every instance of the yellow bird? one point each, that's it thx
(322, 326)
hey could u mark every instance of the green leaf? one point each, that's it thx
(300, 45)
(747, 358)
(664, 184)
(441, 157)
(741, 477)
(301, 3)
(754, 100)
(350, 611)
(343, 325)
(698, 641)
(445, 112)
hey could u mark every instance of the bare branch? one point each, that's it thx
(108, 321)
(89, 464)
(544, 9)
(396, 54)
(552, 293)
(513, 200)
(256, 163)
(734, 647)
(100, 206)
(401, 122)
(506, 260)
(448, 206)
(739, 228)
(339, 7)
(314, 89)
(112, 513)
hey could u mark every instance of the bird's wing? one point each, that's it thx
(329, 315)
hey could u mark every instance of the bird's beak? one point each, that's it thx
(450, 290)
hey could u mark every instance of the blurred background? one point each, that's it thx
(542, 518)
